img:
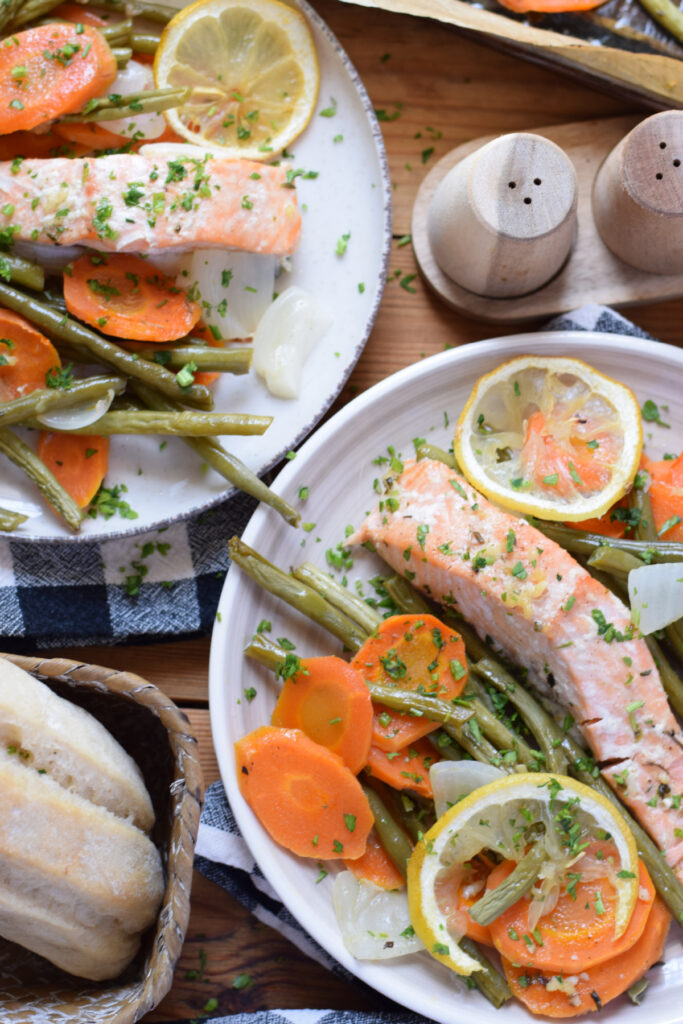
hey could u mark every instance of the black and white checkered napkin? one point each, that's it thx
(155, 586)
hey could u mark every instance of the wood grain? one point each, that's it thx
(446, 89)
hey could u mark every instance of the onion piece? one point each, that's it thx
(288, 332)
(451, 780)
(52, 258)
(78, 416)
(238, 287)
(373, 920)
(135, 78)
(173, 151)
(656, 595)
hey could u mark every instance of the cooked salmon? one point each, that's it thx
(545, 612)
(134, 203)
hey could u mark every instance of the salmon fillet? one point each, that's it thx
(134, 203)
(547, 613)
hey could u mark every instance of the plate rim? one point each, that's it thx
(387, 236)
(249, 827)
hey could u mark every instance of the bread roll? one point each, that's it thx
(79, 883)
(61, 739)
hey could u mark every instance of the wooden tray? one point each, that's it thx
(591, 274)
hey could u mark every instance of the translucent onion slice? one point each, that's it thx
(656, 595)
(135, 78)
(289, 331)
(452, 780)
(52, 258)
(237, 286)
(78, 416)
(373, 920)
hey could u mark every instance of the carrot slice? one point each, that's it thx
(592, 989)
(549, 6)
(78, 13)
(79, 461)
(456, 890)
(411, 652)
(376, 866)
(303, 794)
(404, 769)
(609, 525)
(666, 495)
(328, 700)
(89, 134)
(579, 933)
(30, 144)
(26, 356)
(124, 296)
(52, 70)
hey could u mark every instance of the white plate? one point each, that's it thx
(337, 465)
(352, 193)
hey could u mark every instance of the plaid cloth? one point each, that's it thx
(158, 585)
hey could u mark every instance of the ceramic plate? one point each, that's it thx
(337, 465)
(351, 195)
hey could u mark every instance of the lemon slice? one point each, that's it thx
(551, 437)
(253, 71)
(498, 816)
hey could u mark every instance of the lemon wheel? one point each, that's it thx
(550, 436)
(253, 71)
(562, 814)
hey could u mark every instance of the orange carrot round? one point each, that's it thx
(30, 144)
(456, 891)
(51, 70)
(404, 769)
(79, 13)
(89, 134)
(411, 652)
(608, 525)
(579, 932)
(328, 700)
(594, 988)
(666, 495)
(124, 296)
(79, 461)
(549, 6)
(376, 866)
(303, 794)
(26, 356)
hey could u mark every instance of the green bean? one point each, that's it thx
(645, 528)
(117, 34)
(580, 542)
(9, 521)
(517, 884)
(667, 14)
(674, 634)
(392, 838)
(342, 598)
(295, 593)
(636, 992)
(490, 982)
(671, 681)
(614, 561)
(9, 10)
(122, 55)
(179, 424)
(145, 42)
(405, 597)
(432, 451)
(446, 746)
(237, 359)
(128, 106)
(419, 705)
(22, 272)
(413, 815)
(140, 9)
(494, 729)
(469, 737)
(267, 653)
(63, 327)
(22, 456)
(534, 716)
(31, 10)
(44, 400)
(227, 465)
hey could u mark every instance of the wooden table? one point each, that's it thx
(446, 86)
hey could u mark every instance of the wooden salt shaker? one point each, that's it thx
(638, 195)
(503, 220)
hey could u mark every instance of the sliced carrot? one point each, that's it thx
(124, 296)
(78, 13)
(51, 70)
(666, 495)
(303, 794)
(79, 461)
(89, 134)
(328, 700)
(404, 769)
(26, 356)
(549, 6)
(411, 652)
(609, 525)
(32, 144)
(597, 986)
(579, 932)
(376, 866)
(456, 890)
(544, 458)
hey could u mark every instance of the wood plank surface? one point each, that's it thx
(445, 90)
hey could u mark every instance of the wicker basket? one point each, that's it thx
(157, 735)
